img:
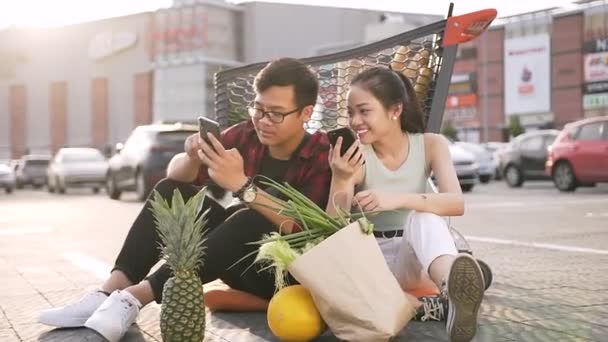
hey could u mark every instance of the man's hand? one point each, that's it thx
(225, 167)
(370, 200)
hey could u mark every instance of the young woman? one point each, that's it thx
(399, 158)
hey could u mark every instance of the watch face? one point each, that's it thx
(249, 195)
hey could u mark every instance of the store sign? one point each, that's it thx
(595, 87)
(463, 84)
(527, 74)
(594, 101)
(461, 115)
(596, 45)
(106, 44)
(596, 67)
(459, 101)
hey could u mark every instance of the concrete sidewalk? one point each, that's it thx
(533, 298)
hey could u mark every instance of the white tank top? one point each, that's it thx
(410, 177)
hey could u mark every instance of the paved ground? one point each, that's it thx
(547, 250)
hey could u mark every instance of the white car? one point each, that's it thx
(7, 178)
(484, 159)
(77, 167)
(466, 167)
(497, 149)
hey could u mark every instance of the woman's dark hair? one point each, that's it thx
(288, 71)
(393, 88)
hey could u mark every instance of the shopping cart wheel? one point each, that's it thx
(487, 273)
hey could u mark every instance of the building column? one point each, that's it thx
(58, 109)
(99, 108)
(18, 112)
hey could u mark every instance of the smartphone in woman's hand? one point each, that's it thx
(348, 138)
(207, 125)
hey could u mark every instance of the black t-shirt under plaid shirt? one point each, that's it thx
(308, 171)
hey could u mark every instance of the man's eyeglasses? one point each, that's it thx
(273, 116)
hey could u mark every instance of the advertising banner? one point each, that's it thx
(527, 67)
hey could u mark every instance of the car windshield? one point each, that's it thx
(79, 157)
(473, 148)
(37, 162)
(174, 136)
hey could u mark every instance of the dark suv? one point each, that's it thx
(142, 161)
(524, 159)
(31, 170)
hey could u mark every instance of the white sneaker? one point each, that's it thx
(114, 317)
(73, 315)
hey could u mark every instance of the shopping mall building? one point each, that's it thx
(90, 84)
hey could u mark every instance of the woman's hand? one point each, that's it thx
(192, 146)
(370, 200)
(345, 167)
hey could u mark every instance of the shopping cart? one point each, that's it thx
(425, 55)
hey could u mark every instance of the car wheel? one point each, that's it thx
(485, 179)
(8, 190)
(50, 188)
(112, 188)
(564, 178)
(141, 188)
(95, 190)
(513, 176)
(467, 187)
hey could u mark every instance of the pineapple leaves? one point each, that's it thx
(181, 230)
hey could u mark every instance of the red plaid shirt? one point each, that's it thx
(308, 172)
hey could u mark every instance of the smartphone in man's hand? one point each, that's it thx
(208, 126)
(348, 138)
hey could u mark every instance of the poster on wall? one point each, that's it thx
(596, 67)
(527, 68)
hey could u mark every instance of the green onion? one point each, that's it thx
(278, 251)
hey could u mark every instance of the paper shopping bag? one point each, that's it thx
(352, 286)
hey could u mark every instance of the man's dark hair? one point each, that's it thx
(288, 71)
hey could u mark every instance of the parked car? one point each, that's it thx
(524, 159)
(31, 170)
(483, 158)
(76, 167)
(496, 149)
(579, 155)
(466, 167)
(142, 161)
(7, 178)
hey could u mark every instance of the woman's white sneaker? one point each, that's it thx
(73, 315)
(114, 317)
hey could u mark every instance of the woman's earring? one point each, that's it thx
(395, 117)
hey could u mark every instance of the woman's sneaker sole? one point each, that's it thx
(465, 287)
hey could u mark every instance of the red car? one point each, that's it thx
(579, 155)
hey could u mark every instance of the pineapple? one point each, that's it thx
(183, 310)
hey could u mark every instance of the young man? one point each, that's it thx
(274, 144)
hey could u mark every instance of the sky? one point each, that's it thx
(51, 13)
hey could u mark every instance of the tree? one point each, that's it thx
(449, 131)
(515, 127)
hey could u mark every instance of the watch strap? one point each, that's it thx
(239, 192)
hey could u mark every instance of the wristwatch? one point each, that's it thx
(248, 192)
